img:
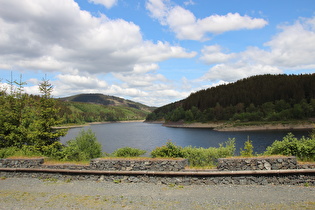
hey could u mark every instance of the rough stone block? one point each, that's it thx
(256, 163)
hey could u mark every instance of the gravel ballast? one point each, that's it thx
(31, 193)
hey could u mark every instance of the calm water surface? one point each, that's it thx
(148, 136)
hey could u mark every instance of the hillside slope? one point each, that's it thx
(257, 98)
(84, 108)
(96, 98)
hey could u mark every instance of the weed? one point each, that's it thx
(171, 185)
(248, 149)
(50, 180)
(68, 180)
(117, 181)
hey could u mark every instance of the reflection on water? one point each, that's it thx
(148, 136)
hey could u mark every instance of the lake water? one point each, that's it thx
(149, 136)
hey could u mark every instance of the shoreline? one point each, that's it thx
(270, 127)
(225, 128)
(222, 127)
(95, 123)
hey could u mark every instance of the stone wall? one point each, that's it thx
(303, 179)
(306, 166)
(139, 165)
(113, 164)
(238, 171)
(66, 166)
(21, 163)
(249, 164)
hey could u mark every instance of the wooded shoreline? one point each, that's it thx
(227, 127)
(215, 126)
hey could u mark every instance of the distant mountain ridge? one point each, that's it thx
(98, 98)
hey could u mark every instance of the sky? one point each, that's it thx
(152, 51)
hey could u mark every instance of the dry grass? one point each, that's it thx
(257, 157)
(24, 157)
(59, 162)
(306, 163)
(140, 158)
(200, 167)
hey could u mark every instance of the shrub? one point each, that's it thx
(29, 151)
(197, 156)
(303, 148)
(202, 157)
(84, 147)
(24, 151)
(128, 152)
(54, 150)
(168, 150)
(8, 151)
(248, 149)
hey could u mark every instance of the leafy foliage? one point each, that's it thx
(8, 151)
(202, 157)
(128, 152)
(303, 148)
(168, 150)
(84, 147)
(248, 149)
(54, 150)
(24, 151)
(196, 156)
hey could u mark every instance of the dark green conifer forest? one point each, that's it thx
(257, 98)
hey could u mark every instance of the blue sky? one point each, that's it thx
(152, 51)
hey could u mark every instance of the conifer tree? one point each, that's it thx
(28, 120)
(15, 114)
(47, 116)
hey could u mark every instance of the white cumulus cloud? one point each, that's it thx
(186, 26)
(213, 54)
(291, 49)
(233, 72)
(58, 36)
(294, 46)
(107, 3)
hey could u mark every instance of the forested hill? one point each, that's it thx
(263, 97)
(96, 98)
(84, 108)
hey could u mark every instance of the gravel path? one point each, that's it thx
(26, 193)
